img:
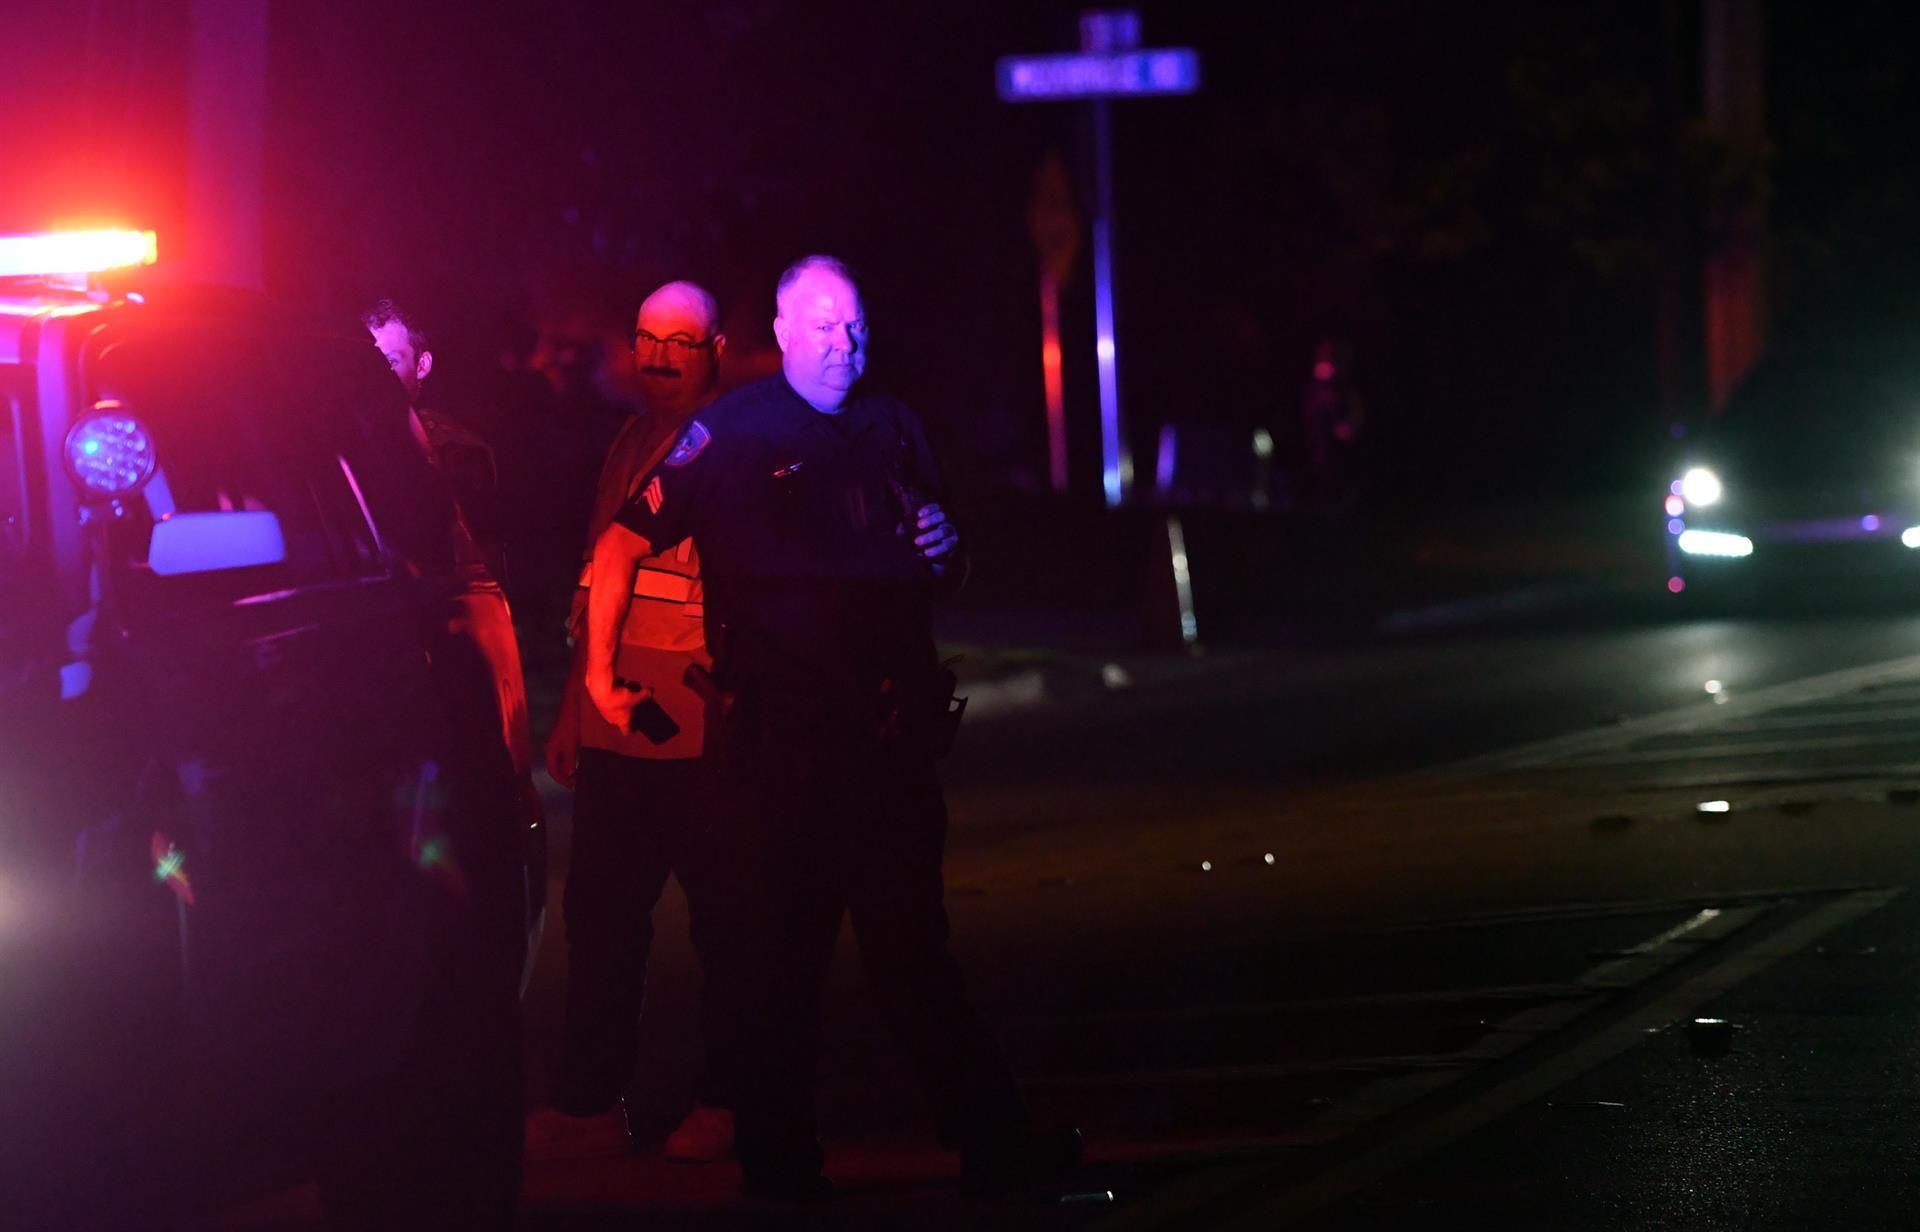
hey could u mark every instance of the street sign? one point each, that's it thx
(1109, 29)
(1082, 75)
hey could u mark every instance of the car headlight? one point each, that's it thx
(1700, 487)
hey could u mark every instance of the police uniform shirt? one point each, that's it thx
(805, 523)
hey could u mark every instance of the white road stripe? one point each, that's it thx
(1698, 717)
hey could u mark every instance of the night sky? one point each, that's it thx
(1471, 194)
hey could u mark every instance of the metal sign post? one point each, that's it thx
(1109, 65)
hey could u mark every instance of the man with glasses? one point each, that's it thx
(641, 800)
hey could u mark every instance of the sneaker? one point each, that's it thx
(1019, 1159)
(705, 1137)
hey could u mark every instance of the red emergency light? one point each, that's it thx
(52, 253)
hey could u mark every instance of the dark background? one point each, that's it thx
(1488, 200)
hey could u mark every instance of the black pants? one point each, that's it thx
(820, 824)
(635, 821)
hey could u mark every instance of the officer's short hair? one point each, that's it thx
(387, 311)
(818, 260)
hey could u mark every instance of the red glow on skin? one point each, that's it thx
(1676, 585)
(1323, 370)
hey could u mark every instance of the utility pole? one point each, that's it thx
(1733, 42)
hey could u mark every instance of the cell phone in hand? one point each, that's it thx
(649, 717)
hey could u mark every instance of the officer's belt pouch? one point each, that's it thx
(941, 711)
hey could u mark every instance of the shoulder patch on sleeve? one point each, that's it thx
(692, 441)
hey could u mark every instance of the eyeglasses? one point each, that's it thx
(676, 346)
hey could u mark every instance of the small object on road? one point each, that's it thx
(1711, 1037)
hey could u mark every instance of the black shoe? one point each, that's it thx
(785, 1185)
(1019, 1158)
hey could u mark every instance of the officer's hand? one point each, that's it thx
(563, 748)
(614, 703)
(937, 536)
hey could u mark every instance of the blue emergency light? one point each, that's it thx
(109, 453)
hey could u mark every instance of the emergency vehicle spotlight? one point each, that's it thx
(109, 454)
(75, 252)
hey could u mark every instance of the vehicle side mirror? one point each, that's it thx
(206, 542)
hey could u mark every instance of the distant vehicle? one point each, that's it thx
(271, 860)
(1809, 479)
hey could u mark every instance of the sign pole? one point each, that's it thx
(1050, 372)
(1116, 458)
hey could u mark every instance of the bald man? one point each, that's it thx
(816, 504)
(641, 800)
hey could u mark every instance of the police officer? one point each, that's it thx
(641, 801)
(815, 505)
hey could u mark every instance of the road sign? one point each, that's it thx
(1082, 75)
(1109, 29)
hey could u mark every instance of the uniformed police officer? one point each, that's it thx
(642, 800)
(815, 505)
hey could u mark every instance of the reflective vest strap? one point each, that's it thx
(673, 587)
(656, 584)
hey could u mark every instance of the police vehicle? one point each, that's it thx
(1807, 486)
(271, 860)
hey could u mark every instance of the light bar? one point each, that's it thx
(1714, 543)
(76, 252)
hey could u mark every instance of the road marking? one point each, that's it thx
(1771, 750)
(1206, 1197)
(1410, 1076)
(1699, 716)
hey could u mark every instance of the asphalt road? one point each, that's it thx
(1305, 937)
